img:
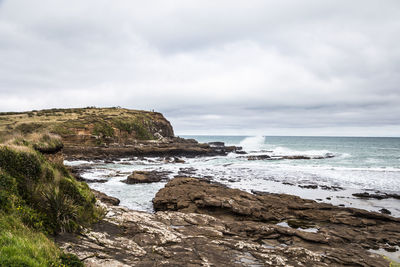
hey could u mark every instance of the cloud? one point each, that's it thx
(223, 67)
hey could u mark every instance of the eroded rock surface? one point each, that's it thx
(327, 228)
(204, 224)
(167, 147)
(133, 238)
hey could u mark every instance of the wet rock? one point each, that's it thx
(173, 160)
(297, 157)
(287, 183)
(216, 144)
(391, 249)
(376, 195)
(105, 198)
(248, 213)
(131, 238)
(292, 157)
(259, 157)
(385, 211)
(187, 171)
(167, 147)
(138, 177)
(308, 186)
(331, 188)
(77, 171)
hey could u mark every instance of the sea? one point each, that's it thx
(338, 168)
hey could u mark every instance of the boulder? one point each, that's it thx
(138, 177)
(105, 198)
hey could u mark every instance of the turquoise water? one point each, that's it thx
(351, 152)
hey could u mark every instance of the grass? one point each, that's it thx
(104, 123)
(39, 198)
(20, 246)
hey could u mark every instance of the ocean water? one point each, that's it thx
(358, 164)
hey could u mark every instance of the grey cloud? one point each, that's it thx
(229, 67)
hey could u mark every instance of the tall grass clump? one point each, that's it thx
(39, 198)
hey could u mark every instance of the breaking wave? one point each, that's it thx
(253, 143)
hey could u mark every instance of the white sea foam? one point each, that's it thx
(253, 143)
(284, 151)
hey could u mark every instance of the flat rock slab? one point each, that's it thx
(203, 224)
(132, 238)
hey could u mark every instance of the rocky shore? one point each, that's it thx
(198, 223)
(167, 147)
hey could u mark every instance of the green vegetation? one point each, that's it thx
(27, 128)
(39, 198)
(107, 124)
(22, 246)
(102, 129)
(46, 143)
(136, 126)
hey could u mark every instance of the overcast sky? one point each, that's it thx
(296, 67)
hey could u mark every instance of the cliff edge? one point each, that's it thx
(98, 133)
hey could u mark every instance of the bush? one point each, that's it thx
(24, 166)
(27, 128)
(103, 130)
(47, 196)
(71, 260)
(134, 126)
(37, 195)
(46, 143)
(8, 190)
(61, 212)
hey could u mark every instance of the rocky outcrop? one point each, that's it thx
(376, 195)
(105, 198)
(273, 157)
(139, 177)
(169, 147)
(132, 238)
(101, 133)
(328, 229)
(203, 224)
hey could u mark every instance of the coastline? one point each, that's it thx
(239, 210)
(244, 230)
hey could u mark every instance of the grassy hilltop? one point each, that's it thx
(88, 126)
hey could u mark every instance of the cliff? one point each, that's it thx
(90, 133)
(89, 126)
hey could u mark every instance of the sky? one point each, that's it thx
(288, 67)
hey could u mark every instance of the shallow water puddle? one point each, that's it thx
(310, 229)
(394, 256)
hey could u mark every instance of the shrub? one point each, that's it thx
(103, 130)
(46, 194)
(60, 209)
(71, 260)
(27, 128)
(46, 143)
(134, 126)
(24, 165)
(8, 191)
